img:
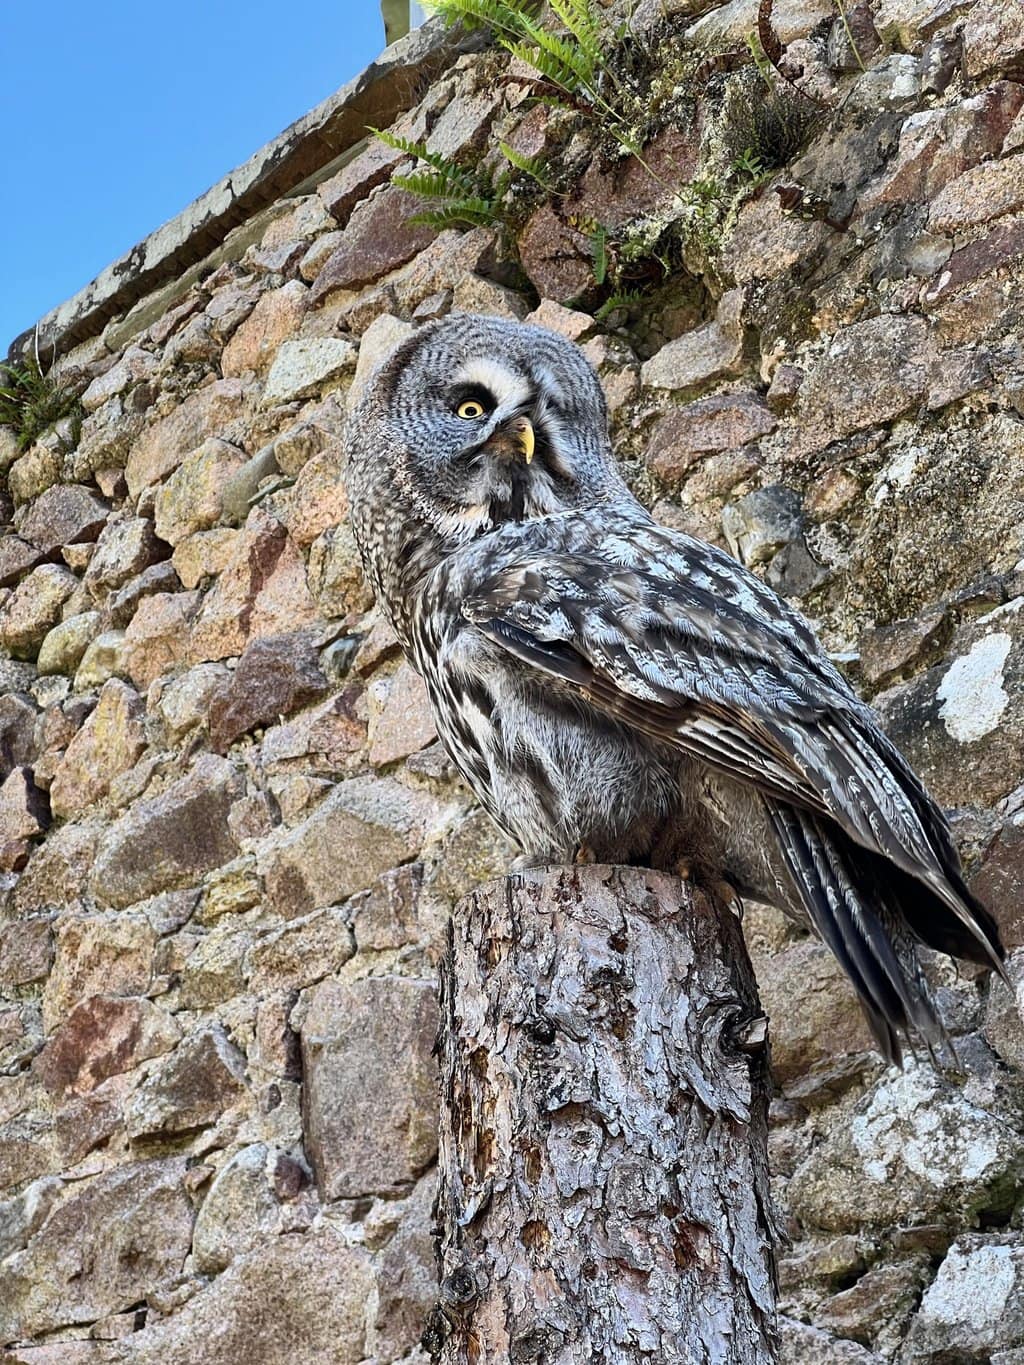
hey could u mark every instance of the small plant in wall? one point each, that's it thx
(575, 69)
(458, 197)
(31, 402)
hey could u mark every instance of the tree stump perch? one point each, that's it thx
(603, 1184)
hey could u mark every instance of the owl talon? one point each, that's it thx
(726, 894)
(585, 856)
(684, 869)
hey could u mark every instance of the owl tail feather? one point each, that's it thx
(860, 919)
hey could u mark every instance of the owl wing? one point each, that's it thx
(676, 639)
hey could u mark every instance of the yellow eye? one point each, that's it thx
(470, 409)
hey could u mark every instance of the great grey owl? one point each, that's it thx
(619, 691)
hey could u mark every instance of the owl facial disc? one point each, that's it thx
(475, 422)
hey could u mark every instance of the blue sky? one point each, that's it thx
(116, 114)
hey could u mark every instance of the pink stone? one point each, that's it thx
(103, 1037)
(210, 411)
(157, 636)
(65, 514)
(556, 257)
(108, 744)
(937, 145)
(275, 676)
(380, 237)
(318, 499)
(277, 316)
(980, 194)
(615, 194)
(261, 591)
(24, 811)
(993, 38)
(722, 422)
(403, 722)
(355, 181)
(566, 321)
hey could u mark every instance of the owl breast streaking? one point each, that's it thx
(604, 683)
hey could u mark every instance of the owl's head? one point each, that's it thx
(474, 422)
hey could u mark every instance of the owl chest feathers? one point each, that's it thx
(552, 773)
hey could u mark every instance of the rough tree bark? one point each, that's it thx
(603, 1174)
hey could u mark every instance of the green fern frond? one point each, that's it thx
(581, 21)
(455, 175)
(427, 184)
(625, 298)
(570, 56)
(545, 65)
(459, 213)
(472, 13)
(533, 166)
(503, 18)
(599, 254)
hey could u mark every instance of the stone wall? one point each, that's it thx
(229, 838)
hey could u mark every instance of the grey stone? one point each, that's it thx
(247, 1205)
(760, 524)
(370, 1084)
(303, 367)
(104, 658)
(63, 647)
(239, 490)
(22, 1216)
(407, 1275)
(211, 411)
(888, 652)
(15, 675)
(804, 1345)
(815, 1021)
(961, 723)
(133, 367)
(297, 1299)
(713, 351)
(878, 1307)
(378, 823)
(114, 1240)
(722, 421)
(96, 954)
(213, 971)
(184, 703)
(122, 604)
(26, 951)
(974, 1306)
(873, 372)
(34, 608)
(302, 951)
(915, 1146)
(17, 730)
(335, 573)
(381, 337)
(192, 498)
(170, 840)
(202, 1077)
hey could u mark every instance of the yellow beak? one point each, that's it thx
(527, 439)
